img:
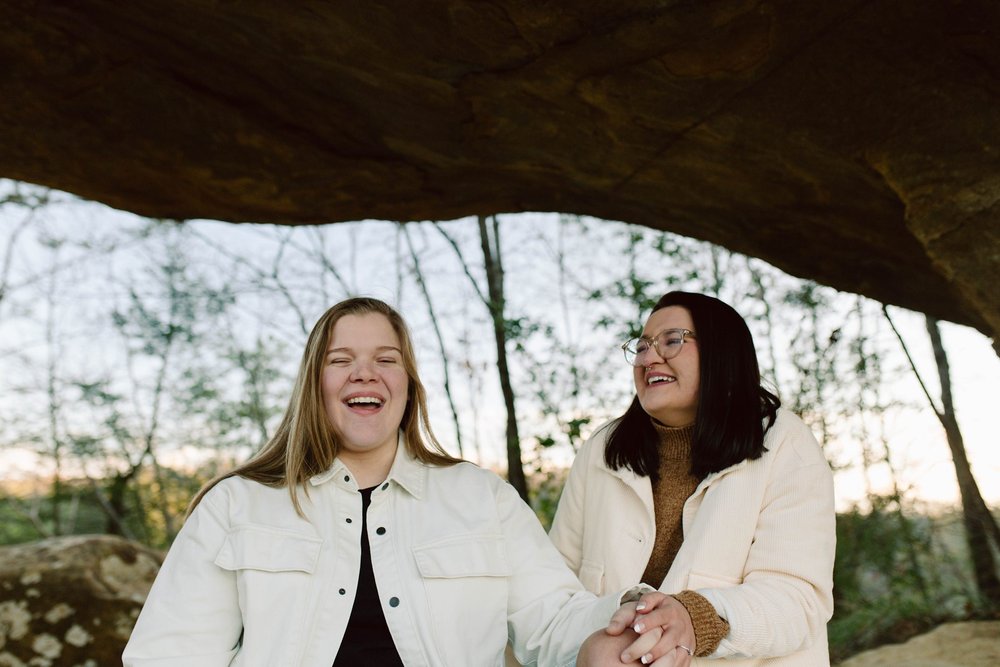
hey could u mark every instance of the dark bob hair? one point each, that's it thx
(732, 404)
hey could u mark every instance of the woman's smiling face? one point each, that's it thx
(668, 389)
(364, 384)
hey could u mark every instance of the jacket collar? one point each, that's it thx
(644, 488)
(640, 485)
(713, 477)
(406, 471)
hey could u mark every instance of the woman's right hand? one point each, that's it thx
(664, 634)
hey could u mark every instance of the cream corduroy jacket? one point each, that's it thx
(759, 541)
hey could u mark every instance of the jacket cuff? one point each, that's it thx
(709, 627)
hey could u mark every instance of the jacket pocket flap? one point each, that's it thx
(270, 550)
(465, 556)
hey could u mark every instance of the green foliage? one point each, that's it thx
(84, 506)
(546, 487)
(14, 527)
(25, 517)
(894, 577)
(883, 621)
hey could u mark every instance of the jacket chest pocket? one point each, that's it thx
(465, 580)
(269, 550)
(274, 576)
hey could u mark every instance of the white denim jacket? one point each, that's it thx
(460, 561)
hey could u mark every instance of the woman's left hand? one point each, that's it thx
(666, 634)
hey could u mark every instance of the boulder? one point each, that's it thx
(71, 601)
(968, 644)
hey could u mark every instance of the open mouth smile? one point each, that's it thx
(364, 403)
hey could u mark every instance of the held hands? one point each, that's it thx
(665, 632)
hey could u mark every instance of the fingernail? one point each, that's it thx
(640, 606)
(626, 658)
(638, 627)
(646, 659)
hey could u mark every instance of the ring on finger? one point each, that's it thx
(685, 649)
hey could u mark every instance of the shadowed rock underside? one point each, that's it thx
(854, 143)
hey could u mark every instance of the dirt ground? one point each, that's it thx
(969, 644)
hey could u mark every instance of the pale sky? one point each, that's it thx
(917, 442)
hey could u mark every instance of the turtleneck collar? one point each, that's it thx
(675, 443)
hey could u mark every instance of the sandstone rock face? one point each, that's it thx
(971, 644)
(855, 143)
(71, 601)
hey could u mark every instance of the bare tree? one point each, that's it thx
(981, 530)
(163, 393)
(32, 202)
(980, 525)
(869, 381)
(489, 239)
(759, 293)
(52, 393)
(425, 292)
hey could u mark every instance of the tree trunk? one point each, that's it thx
(494, 283)
(116, 508)
(980, 526)
(51, 390)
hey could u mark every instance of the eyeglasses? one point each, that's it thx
(668, 344)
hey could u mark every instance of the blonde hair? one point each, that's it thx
(305, 443)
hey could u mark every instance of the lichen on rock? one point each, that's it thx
(44, 584)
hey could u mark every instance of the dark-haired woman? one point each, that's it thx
(709, 491)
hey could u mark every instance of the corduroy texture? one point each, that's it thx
(674, 487)
(768, 523)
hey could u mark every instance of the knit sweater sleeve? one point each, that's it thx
(709, 627)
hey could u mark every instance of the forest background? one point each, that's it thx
(140, 357)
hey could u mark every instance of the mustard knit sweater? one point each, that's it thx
(674, 487)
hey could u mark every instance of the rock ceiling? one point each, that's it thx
(854, 143)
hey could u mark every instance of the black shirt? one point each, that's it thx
(367, 640)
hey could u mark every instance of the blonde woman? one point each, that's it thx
(353, 538)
